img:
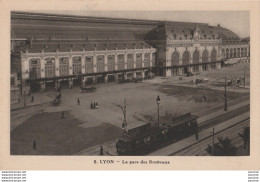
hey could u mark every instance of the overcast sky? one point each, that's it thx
(237, 21)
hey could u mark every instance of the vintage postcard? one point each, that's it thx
(97, 86)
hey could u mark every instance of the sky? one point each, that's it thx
(236, 21)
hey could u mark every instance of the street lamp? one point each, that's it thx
(158, 103)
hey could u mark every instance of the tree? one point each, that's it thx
(224, 147)
(246, 138)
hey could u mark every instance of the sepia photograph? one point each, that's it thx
(134, 83)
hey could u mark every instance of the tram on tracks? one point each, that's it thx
(148, 137)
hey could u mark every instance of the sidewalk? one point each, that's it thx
(218, 113)
(39, 98)
(175, 147)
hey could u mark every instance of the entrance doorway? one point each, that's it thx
(50, 85)
(89, 81)
(100, 79)
(64, 84)
(110, 78)
(35, 86)
(77, 82)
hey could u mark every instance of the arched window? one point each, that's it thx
(100, 63)
(34, 68)
(120, 62)
(147, 60)
(76, 65)
(213, 56)
(175, 58)
(49, 67)
(238, 52)
(245, 51)
(205, 56)
(110, 62)
(235, 52)
(138, 60)
(89, 64)
(227, 53)
(153, 59)
(186, 58)
(231, 53)
(130, 61)
(242, 52)
(196, 57)
(64, 66)
(222, 53)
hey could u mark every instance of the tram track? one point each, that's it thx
(235, 140)
(224, 117)
(238, 124)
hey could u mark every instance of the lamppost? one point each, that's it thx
(213, 134)
(158, 103)
(123, 108)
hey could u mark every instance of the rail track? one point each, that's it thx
(235, 140)
(224, 117)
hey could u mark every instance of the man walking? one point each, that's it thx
(78, 101)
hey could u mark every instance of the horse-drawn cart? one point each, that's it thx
(88, 89)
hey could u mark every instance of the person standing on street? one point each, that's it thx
(78, 101)
(101, 150)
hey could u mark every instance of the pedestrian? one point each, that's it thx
(94, 105)
(91, 105)
(101, 150)
(62, 115)
(78, 101)
(32, 99)
(34, 145)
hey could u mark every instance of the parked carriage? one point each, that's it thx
(88, 89)
(145, 138)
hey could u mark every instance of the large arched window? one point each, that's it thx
(34, 68)
(138, 60)
(89, 64)
(222, 53)
(49, 67)
(235, 53)
(110, 62)
(120, 62)
(196, 57)
(130, 61)
(205, 56)
(213, 56)
(147, 60)
(100, 63)
(227, 53)
(238, 52)
(64, 66)
(242, 52)
(76, 65)
(245, 51)
(231, 53)
(186, 58)
(175, 58)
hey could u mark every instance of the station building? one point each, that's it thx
(65, 51)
